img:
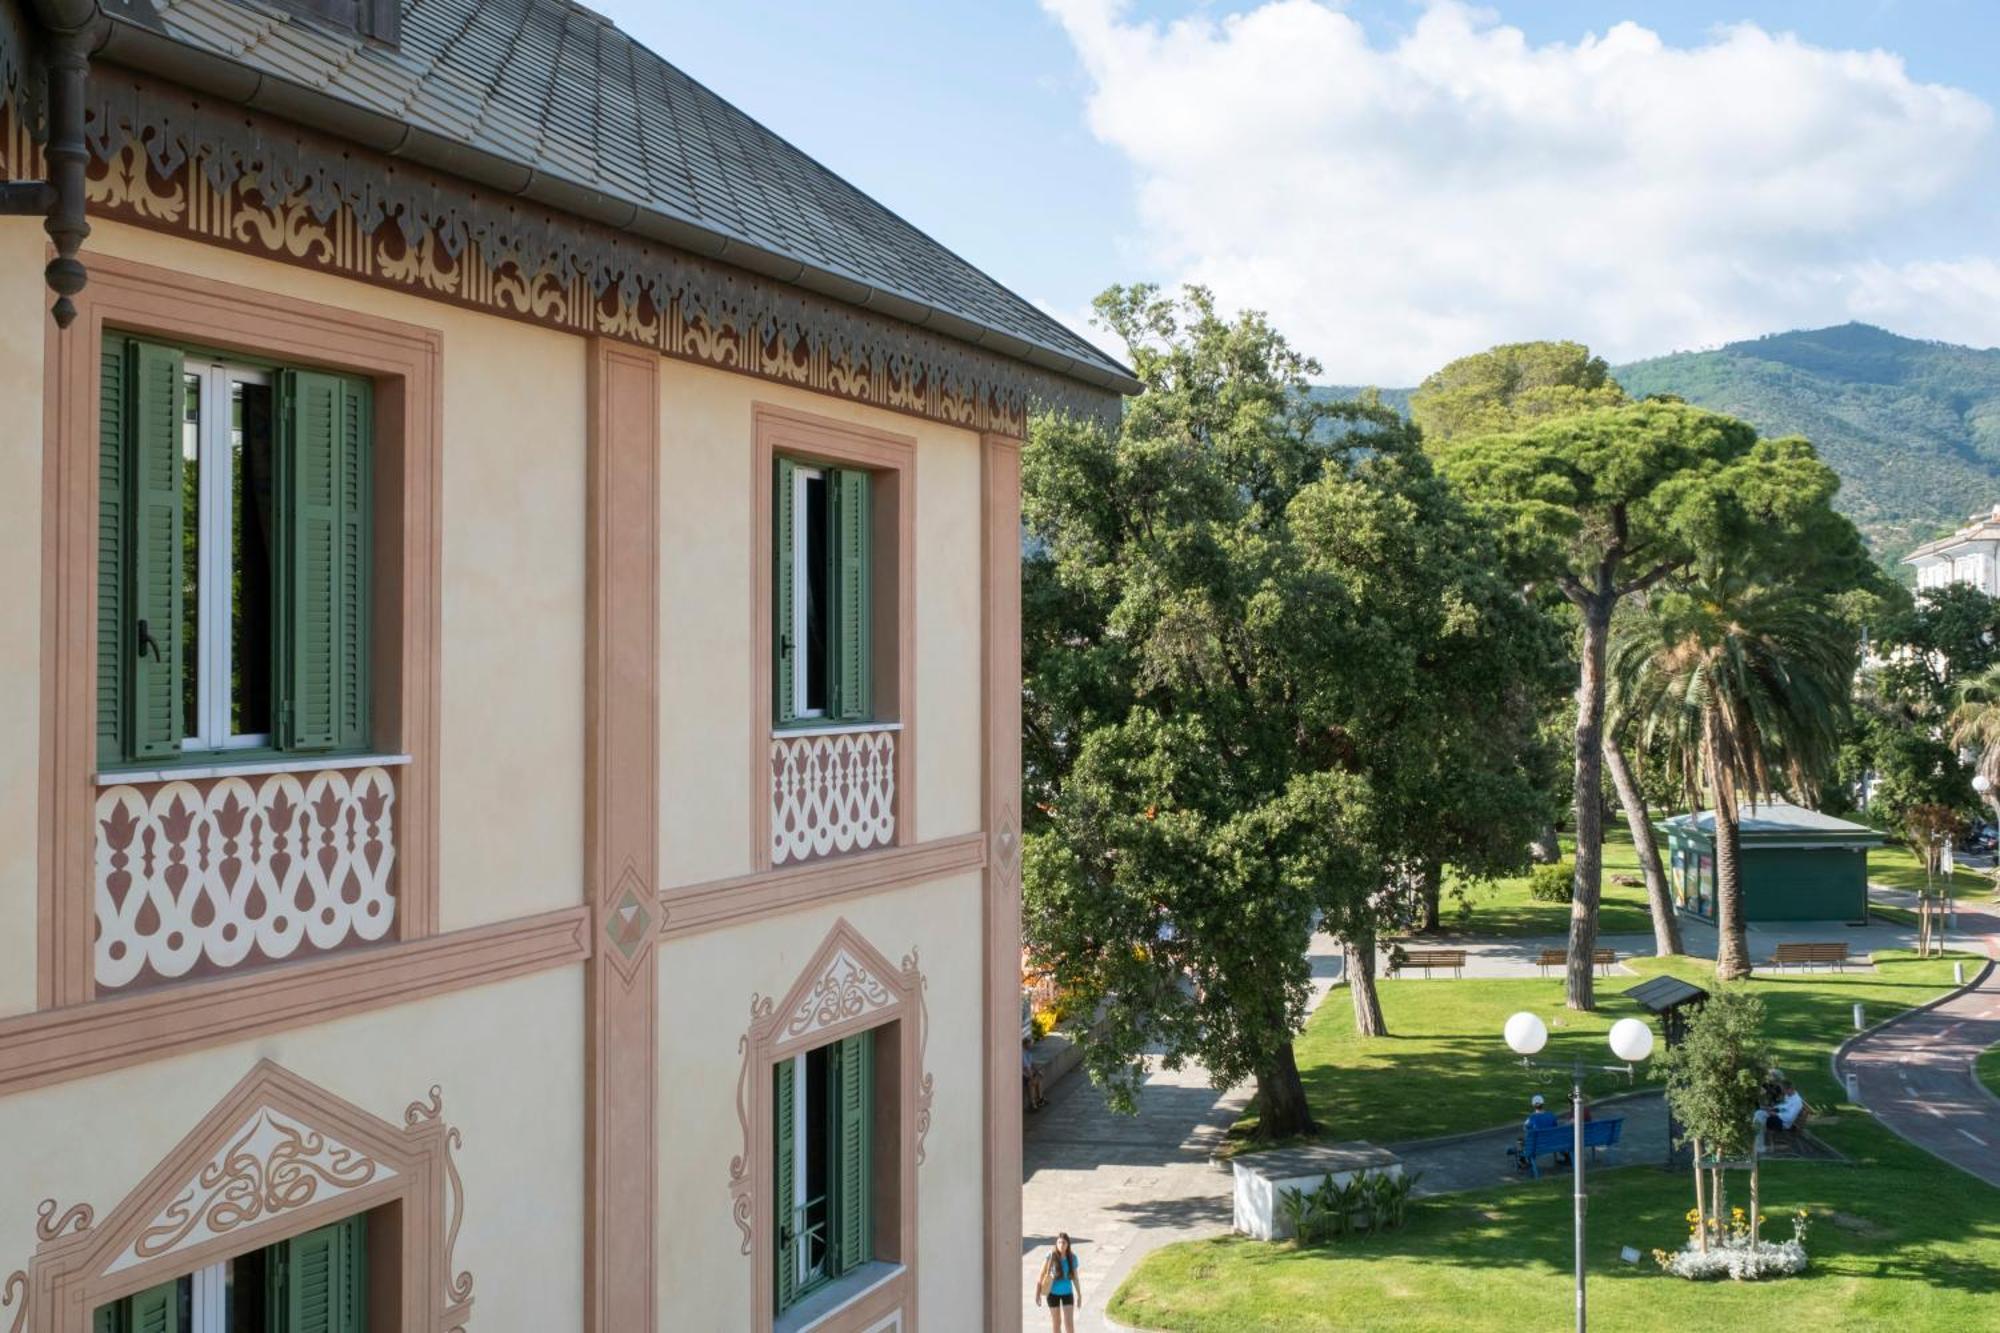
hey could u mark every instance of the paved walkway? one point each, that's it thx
(1123, 1186)
(1916, 1073)
(1478, 1161)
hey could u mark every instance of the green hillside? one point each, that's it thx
(1912, 427)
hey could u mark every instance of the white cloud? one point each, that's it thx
(1394, 206)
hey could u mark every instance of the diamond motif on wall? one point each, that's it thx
(629, 922)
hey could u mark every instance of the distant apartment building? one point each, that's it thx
(1971, 556)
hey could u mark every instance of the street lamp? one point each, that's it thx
(1632, 1042)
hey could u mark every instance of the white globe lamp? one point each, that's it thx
(1631, 1040)
(1526, 1034)
(1981, 783)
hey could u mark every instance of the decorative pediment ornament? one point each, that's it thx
(844, 989)
(848, 987)
(273, 1164)
(275, 1156)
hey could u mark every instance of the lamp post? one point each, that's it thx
(1632, 1042)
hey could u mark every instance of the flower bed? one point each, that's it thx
(1737, 1257)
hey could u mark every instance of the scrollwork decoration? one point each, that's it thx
(918, 985)
(48, 1226)
(417, 1113)
(274, 1166)
(16, 1289)
(742, 1200)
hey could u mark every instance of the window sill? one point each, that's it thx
(833, 728)
(836, 1296)
(249, 768)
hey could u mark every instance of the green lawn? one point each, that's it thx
(1502, 908)
(1895, 867)
(1898, 1240)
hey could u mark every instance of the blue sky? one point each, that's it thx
(1047, 143)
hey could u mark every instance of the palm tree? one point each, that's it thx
(1738, 684)
(1974, 723)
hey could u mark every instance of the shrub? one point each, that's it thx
(1369, 1201)
(1551, 884)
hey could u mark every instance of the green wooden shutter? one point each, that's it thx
(853, 1132)
(154, 1310)
(851, 627)
(320, 1280)
(784, 1184)
(111, 546)
(784, 588)
(326, 562)
(112, 1318)
(155, 407)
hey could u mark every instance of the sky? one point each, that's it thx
(1400, 182)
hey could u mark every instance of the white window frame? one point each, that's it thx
(214, 442)
(803, 516)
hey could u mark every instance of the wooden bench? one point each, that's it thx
(1402, 960)
(1603, 958)
(1539, 1143)
(1833, 954)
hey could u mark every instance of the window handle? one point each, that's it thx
(784, 645)
(146, 640)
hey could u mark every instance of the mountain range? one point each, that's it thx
(1912, 427)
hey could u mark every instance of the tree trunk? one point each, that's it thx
(1547, 848)
(1700, 1202)
(1732, 946)
(1358, 965)
(1588, 880)
(1666, 925)
(1756, 1217)
(1282, 1111)
(1430, 888)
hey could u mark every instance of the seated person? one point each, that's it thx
(1031, 1077)
(1785, 1115)
(1539, 1117)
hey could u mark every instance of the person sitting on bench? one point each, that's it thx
(1539, 1117)
(1785, 1115)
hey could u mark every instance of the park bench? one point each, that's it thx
(1401, 960)
(1537, 1143)
(1834, 954)
(1603, 958)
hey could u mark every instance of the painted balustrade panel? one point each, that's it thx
(195, 878)
(832, 792)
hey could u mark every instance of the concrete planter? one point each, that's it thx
(1262, 1178)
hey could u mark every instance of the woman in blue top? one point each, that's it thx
(1061, 1286)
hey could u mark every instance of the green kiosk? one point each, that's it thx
(1798, 864)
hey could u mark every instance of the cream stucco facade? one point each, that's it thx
(571, 893)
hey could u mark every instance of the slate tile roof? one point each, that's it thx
(555, 88)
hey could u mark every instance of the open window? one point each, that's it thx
(312, 1283)
(233, 558)
(825, 1124)
(822, 598)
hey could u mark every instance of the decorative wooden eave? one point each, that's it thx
(164, 159)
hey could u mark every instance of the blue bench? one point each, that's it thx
(1562, 1138)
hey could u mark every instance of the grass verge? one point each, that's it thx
(1898, 1239)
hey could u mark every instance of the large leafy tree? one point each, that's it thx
(1240, 609)
(1744, 687)
(1600, 507)
(1511, 387)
